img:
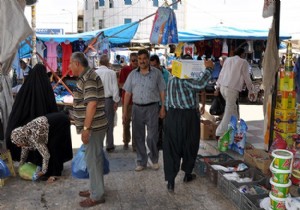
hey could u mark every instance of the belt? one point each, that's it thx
(149, 104)
(109, 97)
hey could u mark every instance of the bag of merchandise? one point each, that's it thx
(238, 135)
(79, 168)
(27, 171)
(4, 171)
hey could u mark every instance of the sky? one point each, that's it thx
(203, 13)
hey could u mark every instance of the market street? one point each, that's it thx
(125, 188)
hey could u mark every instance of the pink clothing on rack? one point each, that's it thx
(52, 62)
(51, 48)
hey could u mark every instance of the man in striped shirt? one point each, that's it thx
(182, 126)
(91, 122)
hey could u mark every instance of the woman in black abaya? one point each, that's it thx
(36, 98)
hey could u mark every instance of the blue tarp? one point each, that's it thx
(225, 32)
(117, 35)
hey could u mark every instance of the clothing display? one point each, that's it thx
(66, 54)
(52, 55)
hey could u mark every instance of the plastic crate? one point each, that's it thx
(253, 173)
(213, 174)
(222, 185)
(251, 202)
(201, 166)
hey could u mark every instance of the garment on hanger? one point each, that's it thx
(217, 48)
(66, 54)
(52, 54)
(40, 47)
(79, 45)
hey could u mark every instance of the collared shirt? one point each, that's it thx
(182, 93)
(125, 71)
(109, 81)
(146, 88)
(89, 88)
(234, 73)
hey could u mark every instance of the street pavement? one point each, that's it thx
(125, 188)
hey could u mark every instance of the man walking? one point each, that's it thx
(182, 126)
(234, 73)
(125, 71)
(147, 88)
(91, 123)
(111, 92)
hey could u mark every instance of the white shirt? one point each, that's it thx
(234, 73)
(110, 84)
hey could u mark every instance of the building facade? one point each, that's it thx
(100, 14)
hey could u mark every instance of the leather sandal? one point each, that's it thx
(89, 202)
(85, 193)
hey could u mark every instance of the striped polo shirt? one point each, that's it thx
(89, 88)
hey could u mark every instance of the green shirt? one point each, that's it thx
(89, 88)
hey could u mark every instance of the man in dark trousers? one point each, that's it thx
(182, 126)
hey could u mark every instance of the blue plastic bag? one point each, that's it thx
(79, 168)
(4, 171)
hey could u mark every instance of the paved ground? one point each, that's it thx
(125, 188)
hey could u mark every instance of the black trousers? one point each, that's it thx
(181, 140)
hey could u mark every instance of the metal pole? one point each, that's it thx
(33, 24)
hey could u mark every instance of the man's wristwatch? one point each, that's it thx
(86, 128)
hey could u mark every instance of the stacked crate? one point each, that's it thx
(285, 117)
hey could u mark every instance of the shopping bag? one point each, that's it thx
(217, 106)
(27, 171)
(4, 171)
(79, 168)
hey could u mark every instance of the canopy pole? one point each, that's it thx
(274, 94)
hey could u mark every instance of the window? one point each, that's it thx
(175, 6)
(86, 26)
(96, 5)
(101, 3)
(127, 20)
(100, 23)
(111, 3)
(127, 2)
(86, 5)
(155, 3)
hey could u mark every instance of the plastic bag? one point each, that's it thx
(4, 171)
(79, 168)
(217, 105)
(238, 135)
(27, 171)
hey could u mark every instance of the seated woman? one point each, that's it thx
(50, 135)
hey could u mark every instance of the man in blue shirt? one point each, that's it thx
(182, 126)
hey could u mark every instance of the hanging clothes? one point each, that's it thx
(52, 54)
(40, 47)
(79, 45)
(66, 54)
(217, 48)
(164, 29)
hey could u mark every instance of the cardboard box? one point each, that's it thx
(285, 115)
(258, 158)
(286, 81)
(286, 99)
(208, 130)
(187, 69)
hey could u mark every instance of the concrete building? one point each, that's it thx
(100, 14)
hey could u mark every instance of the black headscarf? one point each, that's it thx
(35, 98)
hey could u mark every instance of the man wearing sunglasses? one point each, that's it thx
(122, 78)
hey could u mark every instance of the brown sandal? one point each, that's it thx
(84, 193)
(89, 202)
